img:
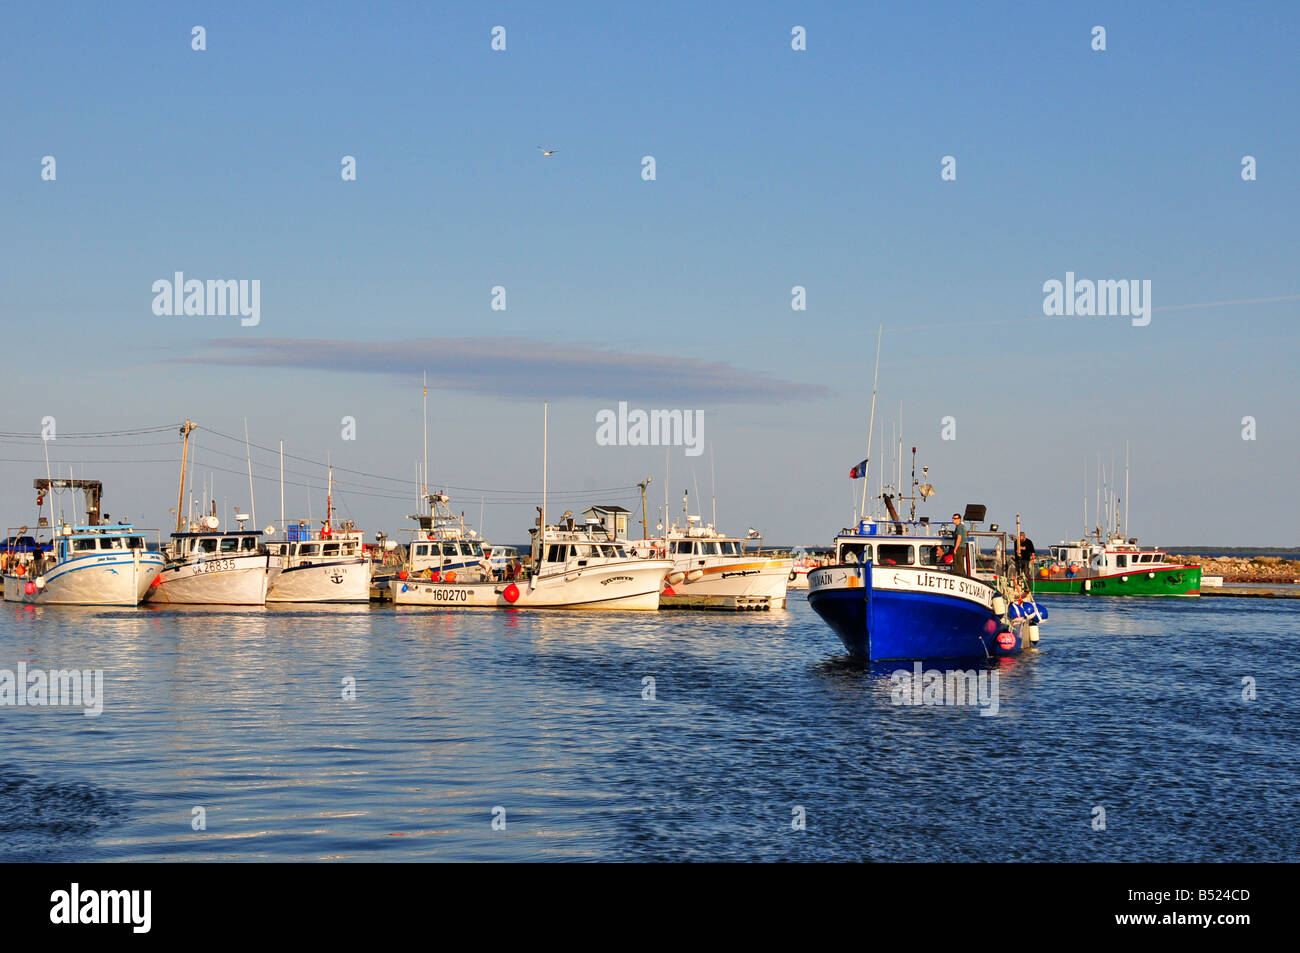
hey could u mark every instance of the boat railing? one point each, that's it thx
(896, 528)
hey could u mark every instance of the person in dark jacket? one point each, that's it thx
(1025, 554)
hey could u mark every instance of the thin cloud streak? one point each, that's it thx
(518, 368)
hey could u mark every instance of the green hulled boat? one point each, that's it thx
(1115, 567)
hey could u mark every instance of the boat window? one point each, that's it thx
(1148, 557)
(929, 555)
(582, 550)
(207, 545)
(308, 549)
(556, 554)
(1121, 562)
(81, 545)
(135, 542)
(682, 546)
(854, 552)
(109, 543)
(230, 544)
(330, 549)
(248, 542)
(475, 549)
(711, 549)
(422, 550)
(894, 554)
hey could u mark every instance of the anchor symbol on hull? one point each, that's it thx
(337, 578)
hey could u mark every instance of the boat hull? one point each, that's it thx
(888, 615)
(99, 580)
(761, 579)
(632, 585)
(346, 580)
(1167, 581)
(229, 581)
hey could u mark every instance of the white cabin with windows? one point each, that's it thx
(1115, 555)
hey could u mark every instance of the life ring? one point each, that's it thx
(793, 575)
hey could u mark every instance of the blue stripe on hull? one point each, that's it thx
(909, 625)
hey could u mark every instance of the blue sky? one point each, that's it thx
(775, 168)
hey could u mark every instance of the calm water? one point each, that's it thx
(1131, 705)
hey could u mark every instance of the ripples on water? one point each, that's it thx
(1131, 705)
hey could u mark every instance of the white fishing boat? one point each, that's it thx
(207, 565)
(715, 571)
(573, 566)
(326, 565)
(803, 564)
(78, 564)
(441, 547)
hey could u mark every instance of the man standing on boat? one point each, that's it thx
(960, 536)
(1025, 554)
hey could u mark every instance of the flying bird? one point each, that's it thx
(548, 152)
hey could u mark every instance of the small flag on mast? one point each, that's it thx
(858, 472)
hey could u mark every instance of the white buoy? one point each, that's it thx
(40, 582)
(999, 605)
(675, 577)
(694, 575)
(1033, 633)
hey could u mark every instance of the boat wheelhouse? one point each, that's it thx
(501, 558)
(94, 563)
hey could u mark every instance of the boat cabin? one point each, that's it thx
(572, 545)
(705, 547)
(343, 547)
(214, 543)
(1116, 555)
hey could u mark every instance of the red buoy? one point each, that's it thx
(29, 588)
(402, 575)
(511, 592)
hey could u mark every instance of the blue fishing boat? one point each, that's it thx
(916, 589)
(893, 593)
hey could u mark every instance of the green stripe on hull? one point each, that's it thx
(1142, 582)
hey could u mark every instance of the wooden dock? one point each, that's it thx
(1252, 593)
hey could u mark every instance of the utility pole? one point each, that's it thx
(186, 430)
(645, 530)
